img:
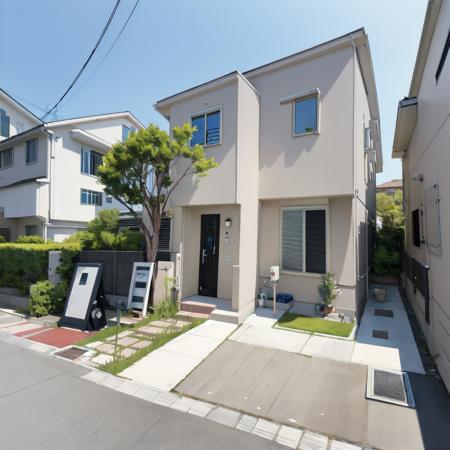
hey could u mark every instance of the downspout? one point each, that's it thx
(355, 222)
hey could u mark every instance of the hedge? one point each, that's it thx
(21, 265)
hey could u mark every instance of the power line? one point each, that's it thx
(106, 54)
(105, 29)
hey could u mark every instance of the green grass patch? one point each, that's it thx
(103, 334)
(315, 325)
(120, 364)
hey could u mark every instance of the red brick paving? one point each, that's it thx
(59, 337)
(31, 331)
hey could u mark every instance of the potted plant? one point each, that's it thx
(328, 291)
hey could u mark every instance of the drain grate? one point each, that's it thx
(71, 353)
(384, 313)
(389, 386)
(380, 334)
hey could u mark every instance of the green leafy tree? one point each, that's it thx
(390, 209)
(151, 154)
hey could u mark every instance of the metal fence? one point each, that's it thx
(117, 268)
(418, 275)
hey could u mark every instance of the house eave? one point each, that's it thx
(404, 127)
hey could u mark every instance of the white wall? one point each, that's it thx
(428, 154)
(310, 165)
(19, 121)
(67, 179)
(20, 170)
(219, 186)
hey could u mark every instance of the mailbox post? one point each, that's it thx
(274, 277)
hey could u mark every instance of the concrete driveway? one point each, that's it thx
(44, 404)
(319, 395)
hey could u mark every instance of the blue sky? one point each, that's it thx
(170, 45)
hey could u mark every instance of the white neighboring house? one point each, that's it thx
(48, 182)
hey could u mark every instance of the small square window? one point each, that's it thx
(305, 115)
(126, 132)
(32, 151)
(108, 199)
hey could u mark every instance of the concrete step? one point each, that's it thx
(190, 316)
(196, 307)
(222, 315)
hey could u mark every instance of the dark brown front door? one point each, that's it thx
(209, 255)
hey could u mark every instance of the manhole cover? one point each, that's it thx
(389, 386)
(384, 312)
(380, 334)
(71, 353)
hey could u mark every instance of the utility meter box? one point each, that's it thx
(274, 273)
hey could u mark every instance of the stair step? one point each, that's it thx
(196, 307)
(225, 316)
(190, 316)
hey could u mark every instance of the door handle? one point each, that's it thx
(203, 255)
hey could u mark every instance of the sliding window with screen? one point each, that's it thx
(208, 128)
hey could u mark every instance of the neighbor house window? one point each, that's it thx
(31, 230)
(126, 132)
(416, 227)
(4, 124)
(303, 240)
(108, 199)
(6, 158)
(164, 239)
(207, 129)
(32, 151)
(443, 57)
(91, 197)
(90, 160)
(305, 115)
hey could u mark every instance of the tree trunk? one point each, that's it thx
(151, 245)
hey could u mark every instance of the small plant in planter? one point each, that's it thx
(328, 291)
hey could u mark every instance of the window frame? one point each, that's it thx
(27, 162)
(293, 99)
(1, 158)
(130, 130)
(204, 113)
(90, 151)
(327, 239)
(90, 192)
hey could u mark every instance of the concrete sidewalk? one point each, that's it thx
(398, 349)
(165, 367)
(319, 395)
(397, 352)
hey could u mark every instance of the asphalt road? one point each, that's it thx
(45, 405)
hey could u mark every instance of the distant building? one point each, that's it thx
(390, 187)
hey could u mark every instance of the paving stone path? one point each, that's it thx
(129, 341)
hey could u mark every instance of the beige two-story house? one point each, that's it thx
(298, 146)
(422, 141)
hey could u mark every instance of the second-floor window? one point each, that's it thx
(208, 130)
(32, 151)
(91, 197)
(305, 115)
(126, 132)
(90, 161)
(4, 124)
(6, 158)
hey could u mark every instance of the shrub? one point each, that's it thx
(67, 261)
(2, 239)
(387, 251)
(30, 239)
(327, 288)
(46, 298)
(22, 265)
